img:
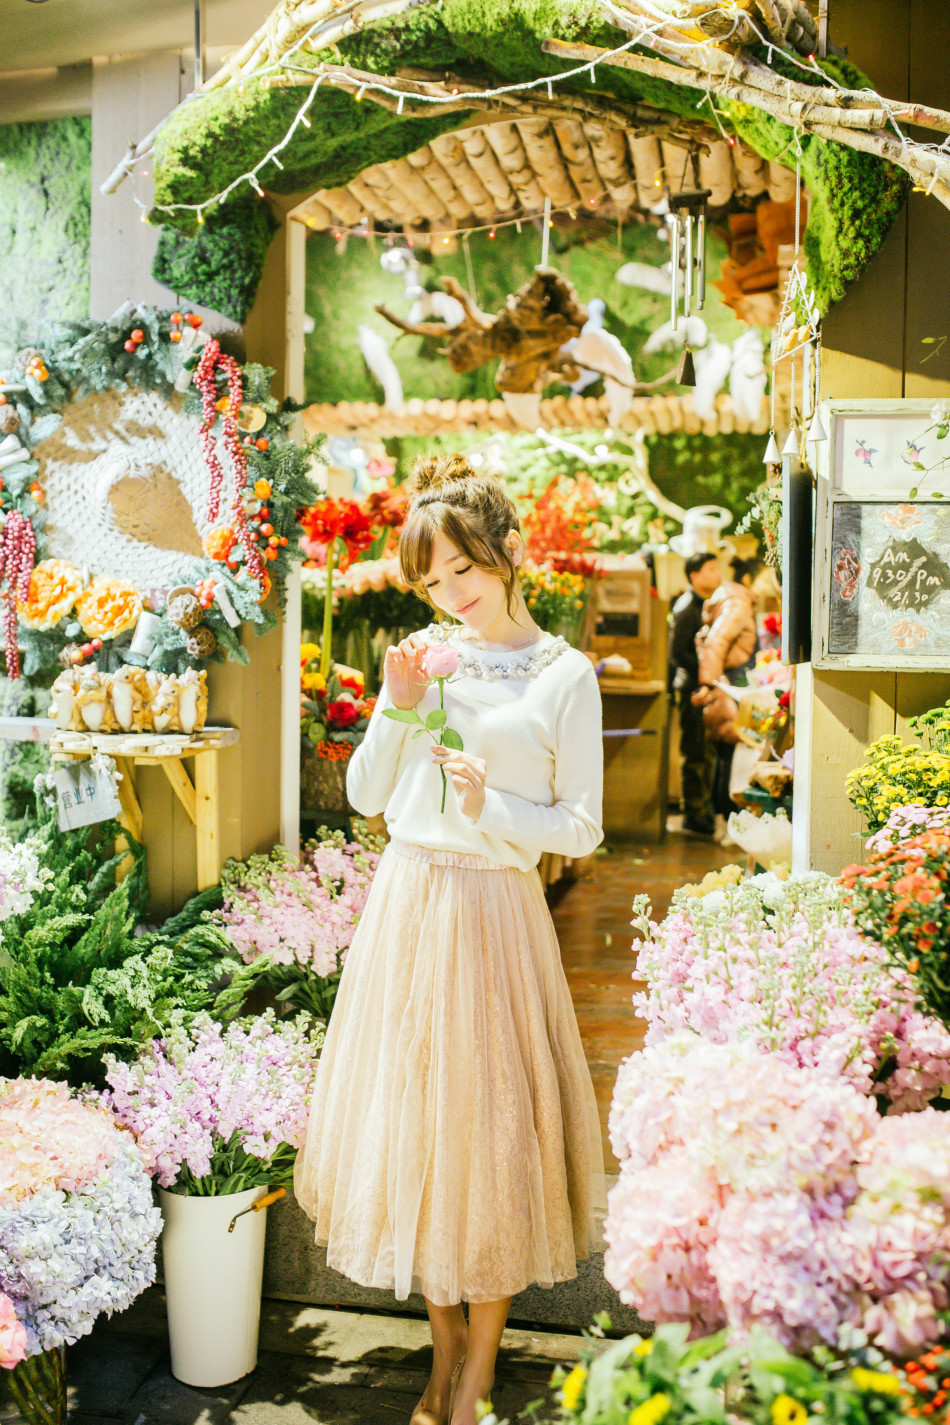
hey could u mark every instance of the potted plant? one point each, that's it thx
(218, 1114)
(334, 716)
(77, 1234)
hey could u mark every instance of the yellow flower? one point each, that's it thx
(573, 1388)
(55, 586)
(644, 1349)
(879, 1381)
(651, 1412)
(788, 1411)
(108, 608)
(309, 651)
(313, 682)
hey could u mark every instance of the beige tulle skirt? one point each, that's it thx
(453, 1146)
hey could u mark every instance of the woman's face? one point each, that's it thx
(459, 588)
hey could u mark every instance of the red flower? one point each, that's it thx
(387, 508)
(342, 713)
(338, 519)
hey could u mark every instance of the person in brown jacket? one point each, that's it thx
(726, 646)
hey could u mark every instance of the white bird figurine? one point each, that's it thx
(748, 377)
(645, 275)
(690, 329)
(376, 355)
(600, 354)
(712, 364)
(438, 305)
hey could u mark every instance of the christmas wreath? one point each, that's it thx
(149, 493)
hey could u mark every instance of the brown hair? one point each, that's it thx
(473, 511)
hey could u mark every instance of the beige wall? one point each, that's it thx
(872, 347)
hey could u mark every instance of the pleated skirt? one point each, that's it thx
(453, 1145)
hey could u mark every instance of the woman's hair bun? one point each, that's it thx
(432, 472)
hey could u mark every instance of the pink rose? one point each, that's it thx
(12, 1335)
(439, 661)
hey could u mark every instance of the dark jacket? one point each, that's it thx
(685, 622)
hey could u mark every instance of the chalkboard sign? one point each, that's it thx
(886, 583)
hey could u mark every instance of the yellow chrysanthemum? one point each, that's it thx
(309, 651)
(55, 585)
(879, 1381)
(652, 1411)
(644, 1349)
(108, 608)
(786, 1410)
(573, 1388)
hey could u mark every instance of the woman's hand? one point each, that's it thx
(405, 679)
(467, 775)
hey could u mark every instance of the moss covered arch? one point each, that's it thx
(210, 142)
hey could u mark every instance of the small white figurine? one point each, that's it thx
(131, 698)
(92, 698)
(192, 700)
(64, 709)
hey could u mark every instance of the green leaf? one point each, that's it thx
(450, 738)
(402, 714)
(919, 466)
(419, 732)
(912, 494)
(928, 340)
(437, 718)
(937, 495)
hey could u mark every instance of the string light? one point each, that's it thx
(647, 34)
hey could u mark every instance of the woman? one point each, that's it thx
(726, 646)
(454, 1145)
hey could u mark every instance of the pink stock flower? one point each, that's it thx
(439, 661)
(12, 1335)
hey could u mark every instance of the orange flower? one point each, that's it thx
(219, 542)
(55, 585)
(108, 608)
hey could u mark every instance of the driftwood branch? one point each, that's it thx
(797, 105)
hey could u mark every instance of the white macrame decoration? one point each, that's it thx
(127, 488)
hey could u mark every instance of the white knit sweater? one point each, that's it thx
(541, 740)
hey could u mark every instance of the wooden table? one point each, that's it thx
(170, 751)
(636, 757)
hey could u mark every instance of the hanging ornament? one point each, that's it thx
(687, 225)
(816, 430)
(791, 443)
(771, 456)
(686, 376)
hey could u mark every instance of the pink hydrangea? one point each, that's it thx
(753, 1191)
(49, 1139)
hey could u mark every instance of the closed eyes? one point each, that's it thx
(463, 570)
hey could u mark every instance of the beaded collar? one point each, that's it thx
(528, 667)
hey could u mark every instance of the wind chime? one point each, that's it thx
(687, 227)
(798, 332)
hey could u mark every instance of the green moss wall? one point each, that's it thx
(44, 225)
(342, 291)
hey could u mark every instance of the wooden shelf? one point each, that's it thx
(199, 797)
(631, 687)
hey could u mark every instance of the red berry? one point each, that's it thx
(176, 318)
(137, 334)
(267, 529)
(130, 345)
(86, 650)
(174, 336)
(194, 320)
(263, 513)
(253, 534)
(282, 541)
(233, 564)
(96, 644)
(270, 553)
(262, 442)
(3, 399)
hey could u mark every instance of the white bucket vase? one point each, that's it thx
(213, 1284)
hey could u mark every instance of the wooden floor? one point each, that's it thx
(592, 917)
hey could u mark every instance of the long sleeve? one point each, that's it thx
(373, 768)
(571, 826)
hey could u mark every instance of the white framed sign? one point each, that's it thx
(882, 537)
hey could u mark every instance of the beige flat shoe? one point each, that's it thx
(423, 1416)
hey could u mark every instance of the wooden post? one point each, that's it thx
(207, 819)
